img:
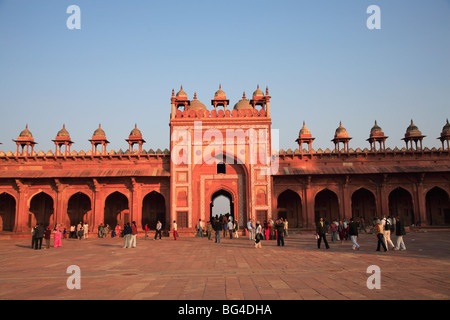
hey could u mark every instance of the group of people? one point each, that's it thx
(39, 233)
(226, 226)
(383, 228)
(269, 230)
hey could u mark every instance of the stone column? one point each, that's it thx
(22, 211)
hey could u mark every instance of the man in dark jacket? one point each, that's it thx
(127, 235)
(39, 236)
(353, 232)
(279, 226)
(321, 230)
(218, 229)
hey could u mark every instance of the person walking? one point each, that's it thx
(235, 229)
(353, 232)
(400, 233)
(158, 230)
(321, 230)
(388, 228)
(127, 235)
(209, 229)
(200, 228)
(175, 228)
(217, 229)
(86, 230)
(57, 237)
(379, 232)
(251, 230)
(230, 228)
(279, 226)
(258, 235)
(134, 234)
(72, 234)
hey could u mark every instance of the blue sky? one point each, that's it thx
(320, 61)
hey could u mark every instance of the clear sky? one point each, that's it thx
(320, 61)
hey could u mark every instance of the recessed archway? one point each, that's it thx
(78, 206)
(438, 207)
(326, 206)
(401, 205)
(221, 205)
(116, 210)
(41, 207)
(363, 205)
(7, 212)
(290, 207)
(153, 210)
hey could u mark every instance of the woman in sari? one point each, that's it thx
(118, 231)
(57, 238)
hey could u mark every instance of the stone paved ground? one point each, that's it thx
(198, 269)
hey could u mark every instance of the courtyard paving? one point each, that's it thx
(199, 269)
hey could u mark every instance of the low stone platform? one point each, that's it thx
(194, 268)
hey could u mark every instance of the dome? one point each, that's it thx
(26, 133)
(413, 130)
(376, 130)
(243, 104)
(304, 131)
(99, 131)
(181, 93)
(220, 93)
(196, 105)
(258, 92)
(63, 132)
(135, 131)
(341, 132)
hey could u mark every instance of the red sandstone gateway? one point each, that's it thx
(107, 187)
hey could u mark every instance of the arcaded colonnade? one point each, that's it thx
(107, 187)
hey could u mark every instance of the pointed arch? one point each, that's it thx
(438, 207)
(326, 205)
(116, 209)
(401, 205)
(289, 206)
(153, 210)
(363, 204)
(42, 209)
(7, 212)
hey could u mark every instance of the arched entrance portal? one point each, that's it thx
(79, 205)
(116, 210)
(290, 208)
(7, 212)
(401, 205)
(153, 209)
(41, 207)
(438, 207)
(363, 205)
(326, 206)
(221, 205)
